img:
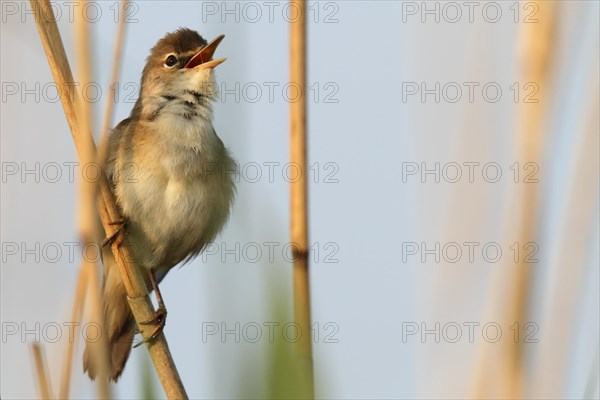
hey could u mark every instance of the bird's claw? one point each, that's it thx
(120, 233)
(159, 319)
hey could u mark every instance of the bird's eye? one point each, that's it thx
(171, 61)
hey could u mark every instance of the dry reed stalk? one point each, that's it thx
(41, 371)
(116, 72)
(298, 195)
(88, 282)
(87, 191)
(78, 305)
(133, 280)
(535, 52)
(100, 354)
(83, 277)
(86, 219)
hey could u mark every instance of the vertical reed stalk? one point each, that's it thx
(41, 371)
(78, 304)
(536, 53)
(116, 72)
(299, 198)
(87, 215)
(534, 56)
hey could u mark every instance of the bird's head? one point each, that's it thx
(181, 61)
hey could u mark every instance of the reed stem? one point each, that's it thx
(299, 197)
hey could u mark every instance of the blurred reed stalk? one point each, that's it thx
(88, 274)
(536, 54)
(298, 196)
(116, 72)
(78, 302)
(41, 371)
(100, 354)
(534, 57)
(133, 281)
(87, 215)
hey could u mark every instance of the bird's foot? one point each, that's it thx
(119, 235)
(159, 320)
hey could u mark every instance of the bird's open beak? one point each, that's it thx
(203, 59)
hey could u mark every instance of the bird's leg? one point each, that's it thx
(120, 233)
(159, 299)
(160, 315)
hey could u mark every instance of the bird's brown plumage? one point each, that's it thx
(172, 178)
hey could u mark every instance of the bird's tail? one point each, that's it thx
(120, 325)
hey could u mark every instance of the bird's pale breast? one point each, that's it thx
(182, 189)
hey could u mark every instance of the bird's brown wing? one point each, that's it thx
(115, 138)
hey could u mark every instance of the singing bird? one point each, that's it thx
(172, 177)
